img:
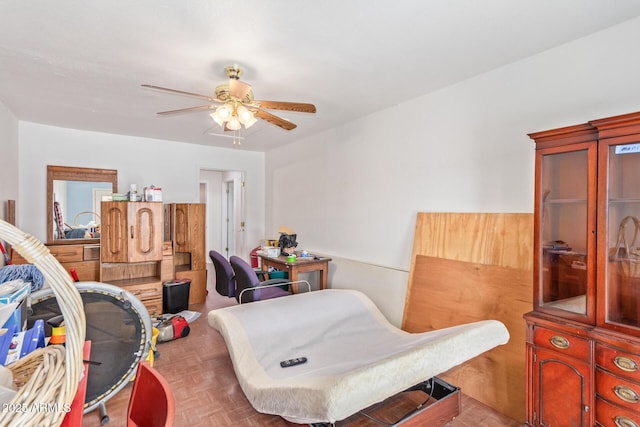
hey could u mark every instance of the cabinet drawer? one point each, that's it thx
(618, 390)
(86, 270)
(154, 307)
(619, 362)
(91, 253)
(568, 344)
(63, 253)
(608, 415)
(67, 253)
(146, 291)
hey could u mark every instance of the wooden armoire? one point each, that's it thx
(186, 229)
(131, 250)
(583, 335)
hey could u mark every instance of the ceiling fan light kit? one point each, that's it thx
(232, 115)
(237, 106)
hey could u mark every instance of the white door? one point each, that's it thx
(229, 220)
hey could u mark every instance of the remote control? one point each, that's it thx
(293, 362)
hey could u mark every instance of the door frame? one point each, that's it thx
(215, 200)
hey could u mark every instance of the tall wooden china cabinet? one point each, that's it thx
(583, 335)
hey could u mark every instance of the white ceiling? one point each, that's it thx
(80, 64)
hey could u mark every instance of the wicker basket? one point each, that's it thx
(47, 379)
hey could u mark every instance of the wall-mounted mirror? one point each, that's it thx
(73, 202)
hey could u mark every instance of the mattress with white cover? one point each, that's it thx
(355, 356)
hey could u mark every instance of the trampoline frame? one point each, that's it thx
(125, 298)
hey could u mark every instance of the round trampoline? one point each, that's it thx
(119, 328)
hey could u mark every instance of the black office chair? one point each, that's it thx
(249, 288)
(225, 276)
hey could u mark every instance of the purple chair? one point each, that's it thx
(246, 278)
(225, 277)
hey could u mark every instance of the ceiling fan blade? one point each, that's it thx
(181, 92)
(275, 120)
(288, 106)
(239, 89)
(188, 110)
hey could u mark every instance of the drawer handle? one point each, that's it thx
(626, 364)
(559, 342)
(622, 421)
(626, 394)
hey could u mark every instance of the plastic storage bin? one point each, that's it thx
(175, 296)
(278, 274)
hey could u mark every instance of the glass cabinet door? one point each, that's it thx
(620, 165)
(566, 224)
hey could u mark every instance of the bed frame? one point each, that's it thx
(442, 405)
(355, 357)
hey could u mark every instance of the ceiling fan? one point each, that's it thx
(235, 105)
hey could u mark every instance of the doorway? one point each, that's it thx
(223, 194)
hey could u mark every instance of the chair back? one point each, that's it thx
(225, 276)
(152, 403)
(246, 277)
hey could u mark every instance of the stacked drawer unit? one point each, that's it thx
(617, 379)
(149, 294)
(84, 259)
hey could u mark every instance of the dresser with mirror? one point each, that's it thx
(127, 244)
(74, 195)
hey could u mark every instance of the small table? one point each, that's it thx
(301, 265)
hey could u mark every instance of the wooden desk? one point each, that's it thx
(301, 265)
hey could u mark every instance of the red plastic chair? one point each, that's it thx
(152, 403)
(254, 257)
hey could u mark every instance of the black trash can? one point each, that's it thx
(175, 296)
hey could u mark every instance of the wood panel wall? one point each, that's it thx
(475, 266)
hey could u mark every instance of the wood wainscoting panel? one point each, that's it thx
(475, 266)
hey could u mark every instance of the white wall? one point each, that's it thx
(8, 159)
(171, 165)
(8, 162)
(356, 189)
(213, 180)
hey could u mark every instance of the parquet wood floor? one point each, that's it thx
(207, 393)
